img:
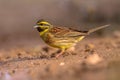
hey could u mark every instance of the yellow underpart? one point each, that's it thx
(63, 45)
(68, 45)
(41, 33)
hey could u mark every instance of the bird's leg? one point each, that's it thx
(61, 52)
(70, 51)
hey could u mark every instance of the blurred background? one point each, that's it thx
(17, 17)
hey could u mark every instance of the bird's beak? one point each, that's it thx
(36, 26)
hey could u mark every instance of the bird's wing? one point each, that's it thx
(66, 32)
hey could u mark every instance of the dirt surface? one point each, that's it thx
(93, 59)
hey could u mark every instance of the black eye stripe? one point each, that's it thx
(44, 24)
(41, 24)
(39, 29)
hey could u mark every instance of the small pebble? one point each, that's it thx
(46, 49)
(93, 59)
(89, 47)
(62, 64)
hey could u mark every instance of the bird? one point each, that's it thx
(61, 37)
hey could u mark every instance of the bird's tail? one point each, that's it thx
(98, 28)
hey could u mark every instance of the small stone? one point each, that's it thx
(93, 59)
(89, 47)
(46, 49)
(62, 64)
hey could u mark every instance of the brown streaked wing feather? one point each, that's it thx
(66, 32)
(59, 31)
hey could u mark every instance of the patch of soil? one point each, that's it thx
(90, 61)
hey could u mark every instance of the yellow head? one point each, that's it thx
(42, 26)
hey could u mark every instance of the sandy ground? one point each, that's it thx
(95, 58)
